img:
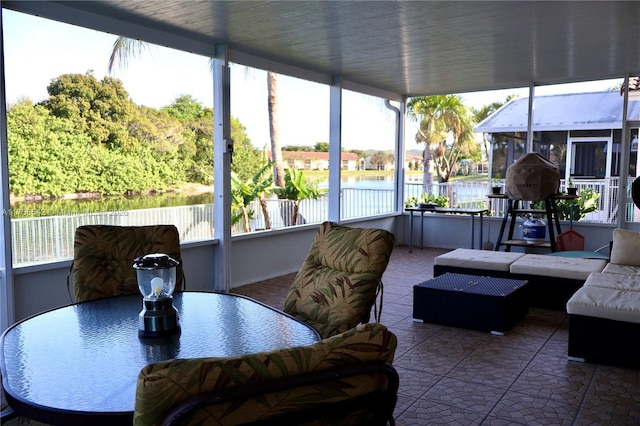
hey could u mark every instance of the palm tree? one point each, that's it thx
(244, 193)
(439, 117)
(276, 149)
(295, 189)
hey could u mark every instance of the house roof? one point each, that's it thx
(384, 48)
(313, 155)
(576, 111)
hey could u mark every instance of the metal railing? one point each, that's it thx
(50, 239)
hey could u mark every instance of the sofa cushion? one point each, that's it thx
(614, 268)
(619, 305)
(478, 259)
(626, 247)
(614, 281)
(556, 266)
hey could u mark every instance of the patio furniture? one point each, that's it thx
(552, 279)
(103, 258)
(346, 379)
(78, 364)
(469, 301)
(339, 281)
(422, 210)
(604, 315)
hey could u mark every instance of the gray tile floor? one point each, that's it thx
(456, 376)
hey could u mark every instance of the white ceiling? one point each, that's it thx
(399, 47)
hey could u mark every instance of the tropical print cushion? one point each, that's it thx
(164, 384)
(104, 254)
(339, 280)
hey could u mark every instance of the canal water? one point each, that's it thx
(61, 207)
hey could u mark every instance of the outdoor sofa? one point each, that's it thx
(602, 299)
(552, 280)
(604, 314)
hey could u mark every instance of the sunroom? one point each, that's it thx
(387, 50)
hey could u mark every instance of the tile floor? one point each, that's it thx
(456, 376)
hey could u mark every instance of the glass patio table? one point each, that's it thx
(79, 364)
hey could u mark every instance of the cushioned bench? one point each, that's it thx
(604, 322)
(604, 315)
(552, 279)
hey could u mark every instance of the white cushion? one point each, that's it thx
(619, 305)
(556, 266)
(478, 259)
(626, 247)
(614, 268)
(614, 281)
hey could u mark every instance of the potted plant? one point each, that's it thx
(496, 186)
(571, 190)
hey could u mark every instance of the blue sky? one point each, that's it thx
(38, 50)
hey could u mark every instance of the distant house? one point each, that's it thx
(311, 160)
(373, 163)
(413, 162)
(581, 132)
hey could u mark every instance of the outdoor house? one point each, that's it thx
(581, 132)
(308, 160)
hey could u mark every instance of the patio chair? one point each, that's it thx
(339, 281)
(103, 258)
(346, 379)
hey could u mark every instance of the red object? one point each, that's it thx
(570, 240)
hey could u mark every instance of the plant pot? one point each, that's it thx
(572, 191)
(496, 190)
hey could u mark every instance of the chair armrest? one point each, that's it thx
(381, 401)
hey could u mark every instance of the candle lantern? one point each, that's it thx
(156, 274)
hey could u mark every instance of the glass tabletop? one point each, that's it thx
(85, 358)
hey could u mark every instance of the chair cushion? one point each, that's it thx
(555, 266)
(478, 259)
(625, 249)
(164, 384)
(104, 254)
(599, 302)
(338, 282)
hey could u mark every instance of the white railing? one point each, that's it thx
(473, 194)
(50, 239)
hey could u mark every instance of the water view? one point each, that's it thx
(63, 207)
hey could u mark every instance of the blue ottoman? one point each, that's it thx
(471, 301)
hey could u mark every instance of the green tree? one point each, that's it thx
(485, 111)
(197, 149)
(296, 188)
(321, 147)
(48, 156)
(186, 108)
(100, 109)
(379, 159)
(441, 117)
